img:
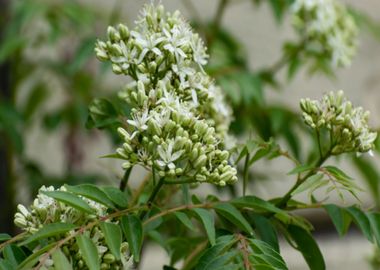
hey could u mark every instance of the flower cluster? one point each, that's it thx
(46, 210)
(348, 125)
(328, 28)
(179, 120)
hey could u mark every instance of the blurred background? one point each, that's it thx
(49, 77)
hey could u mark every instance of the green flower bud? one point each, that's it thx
(109, 258)
(201, 161)
(200, 178)
(116, 69)
(113, 35)
(123, 31)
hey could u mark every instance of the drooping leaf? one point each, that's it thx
(91, 192)
(208, 222)
(5, 265)
(266, 231)
(70, 199)
(117, 196)
(308, 247)
(29, 262)
(229, 212)
(60, 261)
(89, 251)
(361, 220)
(49, 230)
(208, 259)
(374, 220)
(370, 174)
(185, 220)
(133, 231)
(14, 255)
(264, 253)
(339, 217)
(113, 237)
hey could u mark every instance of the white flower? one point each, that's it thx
(176, 38)
(139, 120)
(167, 156)
(328, 24)
(126, 58)
(148, 43)
(199, 52)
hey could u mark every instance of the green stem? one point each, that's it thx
(284, 60)
(125, 179)
(282, 203)
(153, 195)
(319, 143)
(179, 182)
(217, 21)
(246, 173)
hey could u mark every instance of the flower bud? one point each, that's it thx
(123, 31)
(113, 35)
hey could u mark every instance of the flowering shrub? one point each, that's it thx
(177, 128)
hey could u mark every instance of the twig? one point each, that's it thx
(153, 196)
(288, 195)
(140, 189)
(194, 253)
(176, 209)
(246, 173)
(13, 239)
(125, 179)
(245, 252)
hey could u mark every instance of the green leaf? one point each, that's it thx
(49, 230)
(339, 217)
(370, 174)
(209, 258)
(91, 192)
(102, 114)
(60, 261)
(117, 196)
(10, 124)
(4, 237)
(5, 265)
(185, 220)
(14, 255)
(36, 97)
(133, 231)
(310, 183)
(374, 220)
(265, 253)
(266, 231)
(29, 262)
(301, 169)
(208, 222)
(70, 199)
(255, 203)
(338, 173)
(308, 247)
(229, 212)
(361, 221)
(113, 237)
(89, 251)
